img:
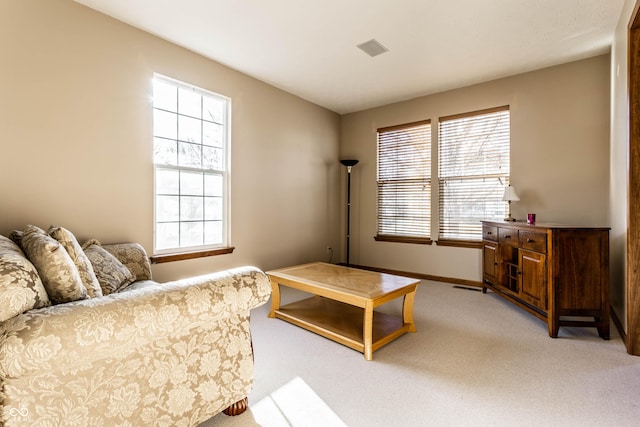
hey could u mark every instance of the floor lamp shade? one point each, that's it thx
(349, 163)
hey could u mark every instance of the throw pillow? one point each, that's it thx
(59, 274)
(111, 273)
(20, 286)
(16, 236)
(81, 261)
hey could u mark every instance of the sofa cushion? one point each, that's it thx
(111, 273)
(59, 274)
(79, 258)
(20, 286)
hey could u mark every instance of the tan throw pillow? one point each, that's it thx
(81, 261)
(20, 286)
(111, 273)
(59, 274)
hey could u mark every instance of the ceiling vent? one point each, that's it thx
(372, 48)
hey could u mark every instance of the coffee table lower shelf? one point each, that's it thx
(342, 323)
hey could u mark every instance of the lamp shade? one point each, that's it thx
(510, 194)
(349, 162)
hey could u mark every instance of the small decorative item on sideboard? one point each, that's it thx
(531, 218)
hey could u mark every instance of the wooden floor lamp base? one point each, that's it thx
(237, 408)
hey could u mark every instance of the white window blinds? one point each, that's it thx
(404, 182)
(473, 170)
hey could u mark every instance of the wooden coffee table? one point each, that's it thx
(343, 302)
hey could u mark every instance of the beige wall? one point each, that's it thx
(76, 146)
(619, 161)
(559, 158)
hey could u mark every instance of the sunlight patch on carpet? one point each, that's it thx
(295, 404)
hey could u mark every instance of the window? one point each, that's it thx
(473, 170)
(191, 145)
(404, 183)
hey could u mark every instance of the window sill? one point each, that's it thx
(460, 243)
(159, 259)
(403, 239)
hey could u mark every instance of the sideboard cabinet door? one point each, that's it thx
(490, 262)
(532, 268)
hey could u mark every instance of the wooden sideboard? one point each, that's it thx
(555, 272)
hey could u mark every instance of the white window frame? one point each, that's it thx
(222, 170)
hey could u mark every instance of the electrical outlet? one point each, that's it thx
(329, 250)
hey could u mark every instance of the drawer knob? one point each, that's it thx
(507, 236)
(529, 240)
(489, 233)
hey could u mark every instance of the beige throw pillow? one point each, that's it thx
(81, 261)
(111, 273)
(59, 274)
(16, 236)
(20, 286)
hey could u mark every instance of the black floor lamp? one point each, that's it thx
(349, 164)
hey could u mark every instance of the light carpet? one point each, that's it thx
(475, 360)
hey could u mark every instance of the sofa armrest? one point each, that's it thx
(173, 354)
(239, 289)
(72, 336)
(134, 257)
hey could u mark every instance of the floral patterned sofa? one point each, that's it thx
(88, 339)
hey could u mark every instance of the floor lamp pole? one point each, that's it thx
(349, 164)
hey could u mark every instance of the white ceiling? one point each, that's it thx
(308, 48)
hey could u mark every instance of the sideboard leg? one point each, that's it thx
(554, 327)
(603, 328)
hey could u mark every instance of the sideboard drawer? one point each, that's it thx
(533, 241)
(490, 233)
(508, 236)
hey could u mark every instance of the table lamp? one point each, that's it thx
(510, 195)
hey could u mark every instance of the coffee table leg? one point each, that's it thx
(368, 331)
(407, 311)
(275, 298)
